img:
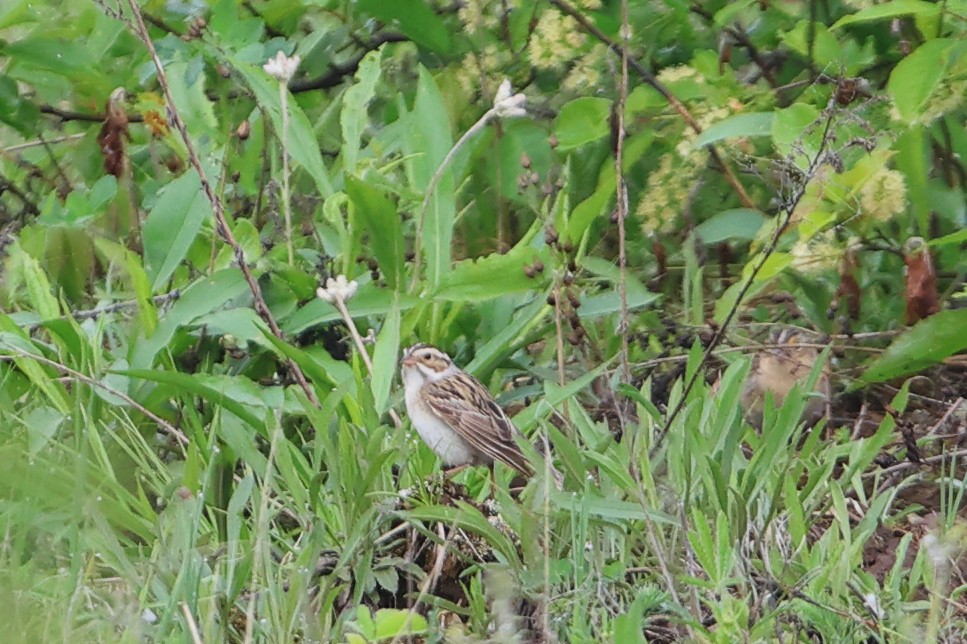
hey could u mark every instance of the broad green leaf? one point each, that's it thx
(13, 11)
(39, 291)
(243, 324)
(581, 121)
(730, 12)
(426, 141)
(477, 280)
(590, 209)
(204, 296)
(927, 343)
(369, 300)
(607, 508)
(789, 127)
(187, 83)
(737, 223)
(500, 345)
(353, 117)
(171, 227)
(607, 302)
(738, 125)
(398, 623)
(415, 18)
(916, 77)
(384, 225)
(913, 159)
(600, 304)
(190, 384)
(103, 191)
(889, 10)
(815, 40)
(301, 142)
(384, 358)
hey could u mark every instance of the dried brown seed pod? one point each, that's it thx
(539, 266)
(550, 235)
(243, 130)
(525, 161)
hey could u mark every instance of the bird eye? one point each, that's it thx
(426, 355)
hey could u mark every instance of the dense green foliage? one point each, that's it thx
(186, 445)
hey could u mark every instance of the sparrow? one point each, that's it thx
(454, 413)
(776, 370)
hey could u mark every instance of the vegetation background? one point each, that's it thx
(197, 447)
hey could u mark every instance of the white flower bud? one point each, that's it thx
(282, 68)
(507, 105)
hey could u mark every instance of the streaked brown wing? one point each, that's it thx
(466, 406)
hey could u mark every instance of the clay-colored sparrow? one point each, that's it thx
(455, 414)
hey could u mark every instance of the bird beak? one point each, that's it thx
(409, 362)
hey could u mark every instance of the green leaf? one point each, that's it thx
(889, 10)
(925, 344)
(915, 78)
(581, 121)
(39, 292)
(788, 129)
(384, 358)
(415, 18)
(187, 83)
(394, 623)
(188, 383)
(737, 223)
(204, 296)
(738, 125)
(478, 280)
(103, 191)
(172, 225)
(590, 209)
(353, 117)
(385, 225)
(426, 141)
(607, 508)
(464, 515)
(301, 144)
(369, 300)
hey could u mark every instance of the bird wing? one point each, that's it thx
(464, 404)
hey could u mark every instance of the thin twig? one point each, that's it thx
(170, 429)
(621, 199)
(429, 583)
(192, 626)
(766, 253)
(431, 188)
(222, 224)
(361, 347)
(286, 205)
(114, 307)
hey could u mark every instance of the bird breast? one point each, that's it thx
(439, 436)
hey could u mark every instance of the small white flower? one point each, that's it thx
(282, 67)
(337, 289)
(506, 105)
